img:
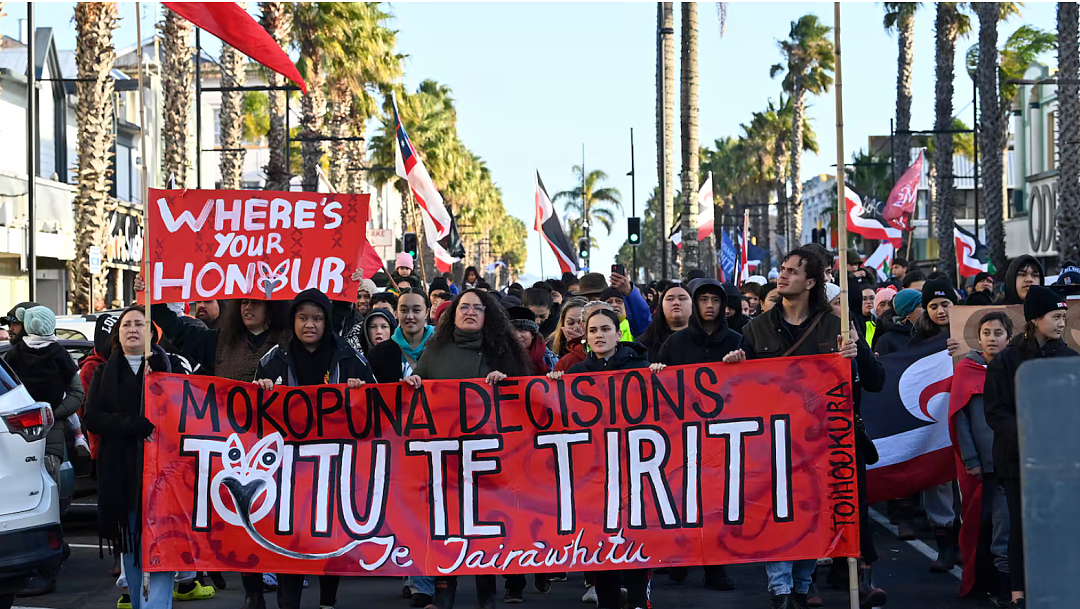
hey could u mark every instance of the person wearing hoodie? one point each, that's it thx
(706, 339)
(982, 290)
(973, 443)
(736, 319)
(473, 339)
(378, 326)
(635, 307)
(49, 375)
(894, 332)
(607, 352)
(114, 413)
(1023, 273)
(1045, 312)
(541, 359)
(617, 302)
(311, 354)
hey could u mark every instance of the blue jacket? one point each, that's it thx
(637, 312)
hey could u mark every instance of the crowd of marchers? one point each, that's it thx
(403, 329)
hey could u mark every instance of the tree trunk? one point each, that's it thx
(95, 56)
(901, 148)
(798, 110)
(946, 26)
(338, 114)
(276, 21)
(992, 134)
(689, 120)
(780, 162)
(313, 109)
(1068, 141)
(231, 118)
(177, 82)
(668, 177)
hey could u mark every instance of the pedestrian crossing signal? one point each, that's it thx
(409, 244)
(633, 226)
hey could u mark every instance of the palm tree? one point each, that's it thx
(689, 115)
(316, 27)
(603, 202)
(278, 22)
(231, 118)
(665, 128)
(94, 58)
(900, 16)
(808, 53)
(177, 82)
(1068, 204)
(950, 24)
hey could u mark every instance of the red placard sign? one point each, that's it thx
(697, 465)
(215, 244)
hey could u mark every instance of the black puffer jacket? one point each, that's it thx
(628, 356)
(892, 337)
(692, 345)
(999, 393)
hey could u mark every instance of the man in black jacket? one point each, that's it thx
(803, 324)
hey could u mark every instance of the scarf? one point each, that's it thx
(38, 342)
(406, 350)
(312, 367)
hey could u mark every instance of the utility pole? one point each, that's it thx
(585, 210)
(31, 152)
(633, 203)
(665, 272)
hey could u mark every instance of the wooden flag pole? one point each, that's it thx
(147, 294)
(845, 314)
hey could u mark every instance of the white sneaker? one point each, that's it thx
(590, 595)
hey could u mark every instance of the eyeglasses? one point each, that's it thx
(479, 308)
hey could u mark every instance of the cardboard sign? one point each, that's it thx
(222, 244)
(964, 324)
(698, 465)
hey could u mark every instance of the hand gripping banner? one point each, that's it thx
(211, 244)
(697, 465)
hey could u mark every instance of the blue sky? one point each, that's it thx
(533, 82)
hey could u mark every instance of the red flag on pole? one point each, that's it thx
(905, 193)
(234, 26)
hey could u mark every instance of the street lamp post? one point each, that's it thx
(31, 152)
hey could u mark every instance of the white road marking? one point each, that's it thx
(924, 549)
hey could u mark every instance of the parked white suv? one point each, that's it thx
(30, 502)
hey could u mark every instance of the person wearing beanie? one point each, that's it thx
(1045, 312)
(895, 334)
(527, 332)
(982, 290)
(832, 294)
(364, 293)
(403, 272)
(883, 300)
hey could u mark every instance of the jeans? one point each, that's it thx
(938, 501)
(789, 576)
(995, 503)
(161, 582)
(424, 584)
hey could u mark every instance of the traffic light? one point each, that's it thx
(409, 244)
(583, 248)
(633, 229)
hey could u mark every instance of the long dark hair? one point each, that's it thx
(114, 336)
(465, 276)
(499, 344)
(232, 325)
(659, 330)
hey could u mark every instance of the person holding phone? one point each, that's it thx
(637, 309)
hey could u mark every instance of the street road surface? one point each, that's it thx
(903, 572)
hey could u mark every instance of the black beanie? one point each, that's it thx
(1041, 300)
(938, 288)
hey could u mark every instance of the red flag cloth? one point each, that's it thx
(234, 26)
(967, 382)
(370, 262)
(905, 193)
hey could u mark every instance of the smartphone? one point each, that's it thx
(618, 268)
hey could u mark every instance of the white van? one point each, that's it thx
(30, 504)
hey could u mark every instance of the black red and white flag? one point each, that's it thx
(972, 257)
(548, 225)
(909, 422)
(705, 215)
(865, 219)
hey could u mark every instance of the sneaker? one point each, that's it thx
(419, 599)
(406, 592)
(558, 577)
(590, 595)
(542, 583)
(782, 601)
(513, 597)
(1018, 604)
(124, 602)
(811, 599)
(326, 607)
(197, 593)
(269, 582)
(219, 580)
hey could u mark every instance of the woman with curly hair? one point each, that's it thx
(473, 339)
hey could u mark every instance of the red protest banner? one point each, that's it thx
(212, 244)
(696, 465)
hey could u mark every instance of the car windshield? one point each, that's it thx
(66, 334)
